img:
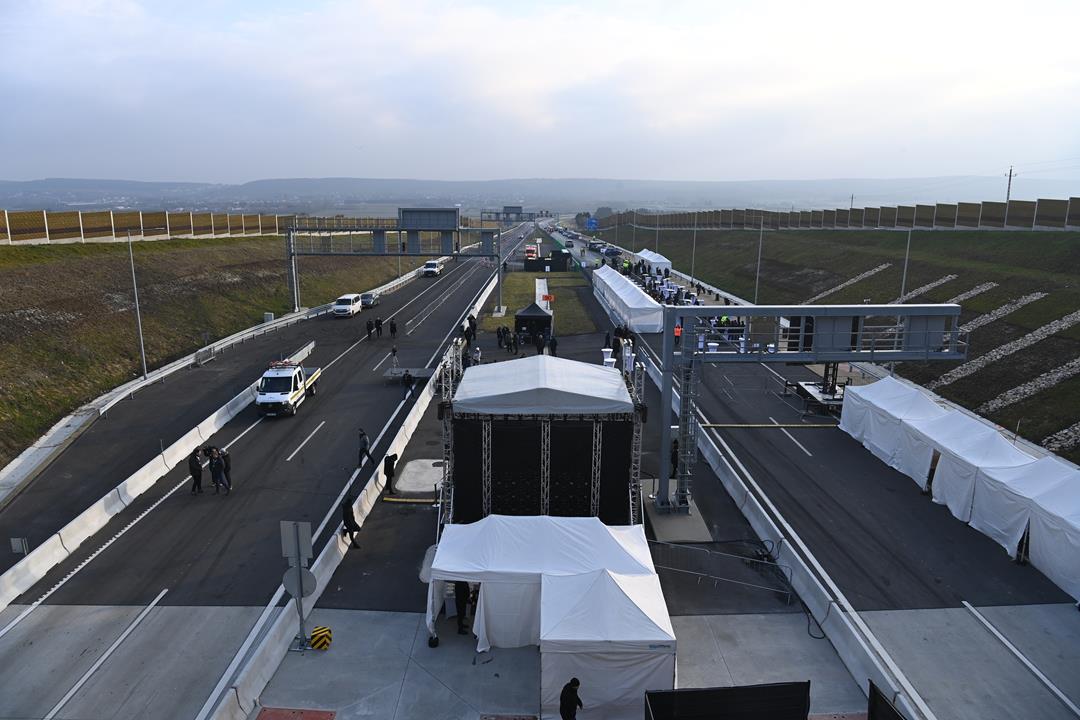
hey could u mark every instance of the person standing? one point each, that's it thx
(477, 354)
(407, 381)
(349, 526)
(569, 702)
(461, 601)
(499, 336)
(393, 329)
(678, 333)
(553, 347)
(226, 458)
(388, 470)
(195, 468)
(378, 327)
(538, 342)
(217, 471)
(370, 328)
(364, 445)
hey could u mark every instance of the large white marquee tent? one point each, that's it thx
(628, 302)
(585, 592)
(982, 478)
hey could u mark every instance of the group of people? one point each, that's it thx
(219, 462)
(375, 326)
(512, 341)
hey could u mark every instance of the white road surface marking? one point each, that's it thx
(301, 445)
(792, 438)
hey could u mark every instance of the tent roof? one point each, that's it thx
(950, 428)
(651, 257)
(542, 384)
(1033, 478)
(988, 450)
(522, 548)
(604, 606)
(533, 310)
(898, 399)
(1062, 500)
(632, 305)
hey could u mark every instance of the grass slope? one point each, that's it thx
(799, 264)
(67, 325)
(519, 291)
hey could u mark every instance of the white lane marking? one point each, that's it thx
(435, 304)
(729, 380)
(1023, 658)
(33, 606)
(301, 445)
(105, 656)
(791, 437)
(385, 357)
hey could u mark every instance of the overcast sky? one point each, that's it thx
(195, 90)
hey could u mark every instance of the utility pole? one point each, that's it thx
(903, 278)
(852, 205)
(657, 248)
(1008, 188)
(633, 233)
(138, 314)
(693, 250)
(761, 240)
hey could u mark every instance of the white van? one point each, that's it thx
(347, 305)
(432, 268)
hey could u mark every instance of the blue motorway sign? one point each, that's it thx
(592, 224)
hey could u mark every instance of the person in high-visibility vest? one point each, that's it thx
(678, 332)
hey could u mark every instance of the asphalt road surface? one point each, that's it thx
(195, 557)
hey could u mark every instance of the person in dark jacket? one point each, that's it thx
(388, 470)
(227, 459)
(364, 445)
(569, 702)
(217, 471)
(195, 468)
(461, 600)
(393, 329)
(349, 526)
(539, 343)
(370, 328)
(378, 327)
(553, 347)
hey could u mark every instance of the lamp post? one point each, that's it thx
(693, 250)
(903, 277)
(657, 248)
(633, 233)
(761, 240)
(138, 313)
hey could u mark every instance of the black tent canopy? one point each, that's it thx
(532, 320)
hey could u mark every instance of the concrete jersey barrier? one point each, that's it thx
(23, 575)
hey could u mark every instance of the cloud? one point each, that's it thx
(678, 89)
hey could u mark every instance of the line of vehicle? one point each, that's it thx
(791, 437)
(105, 656)
(301, 445)
(33, 606)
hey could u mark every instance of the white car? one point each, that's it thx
(347, 305)
(432, 268)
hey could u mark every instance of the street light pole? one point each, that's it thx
(693, 250)
(633, 233)
(760, 241)
(903, 278)
(138, 314)
(657, 248)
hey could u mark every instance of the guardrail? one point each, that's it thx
(24, 574)
(20, 471)
(241, 696)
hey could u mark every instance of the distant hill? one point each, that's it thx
(380, 196)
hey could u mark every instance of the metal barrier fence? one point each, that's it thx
(1041, 214)
(759, 573)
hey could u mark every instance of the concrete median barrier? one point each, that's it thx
(22, 576)
(142, 480)
(179, 451)
(95, 517)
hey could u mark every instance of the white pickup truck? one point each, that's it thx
(284, 386)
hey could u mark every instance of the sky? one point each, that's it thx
(213, 91)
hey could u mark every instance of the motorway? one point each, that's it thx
(143, 618)
(906, 564)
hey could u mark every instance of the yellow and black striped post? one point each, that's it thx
(321, 638)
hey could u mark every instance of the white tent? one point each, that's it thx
(961, 458)
(654, 260)
(510, 554)
(919, 439)
(1054, 542)
(627, 302)
(542, 384)
(872, 414)
(612, 632)
(1003, 497)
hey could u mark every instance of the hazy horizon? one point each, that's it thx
(479, 89)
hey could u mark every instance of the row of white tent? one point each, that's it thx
(630, 305)
(984, 480)
(586, 593)
(654, 260)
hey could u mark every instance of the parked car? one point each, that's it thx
(569, 243)
(347, 305)
(370, 299)
(610, 251)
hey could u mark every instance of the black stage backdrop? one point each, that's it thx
(515, 469)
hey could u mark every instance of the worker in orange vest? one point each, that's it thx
(678, 332)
